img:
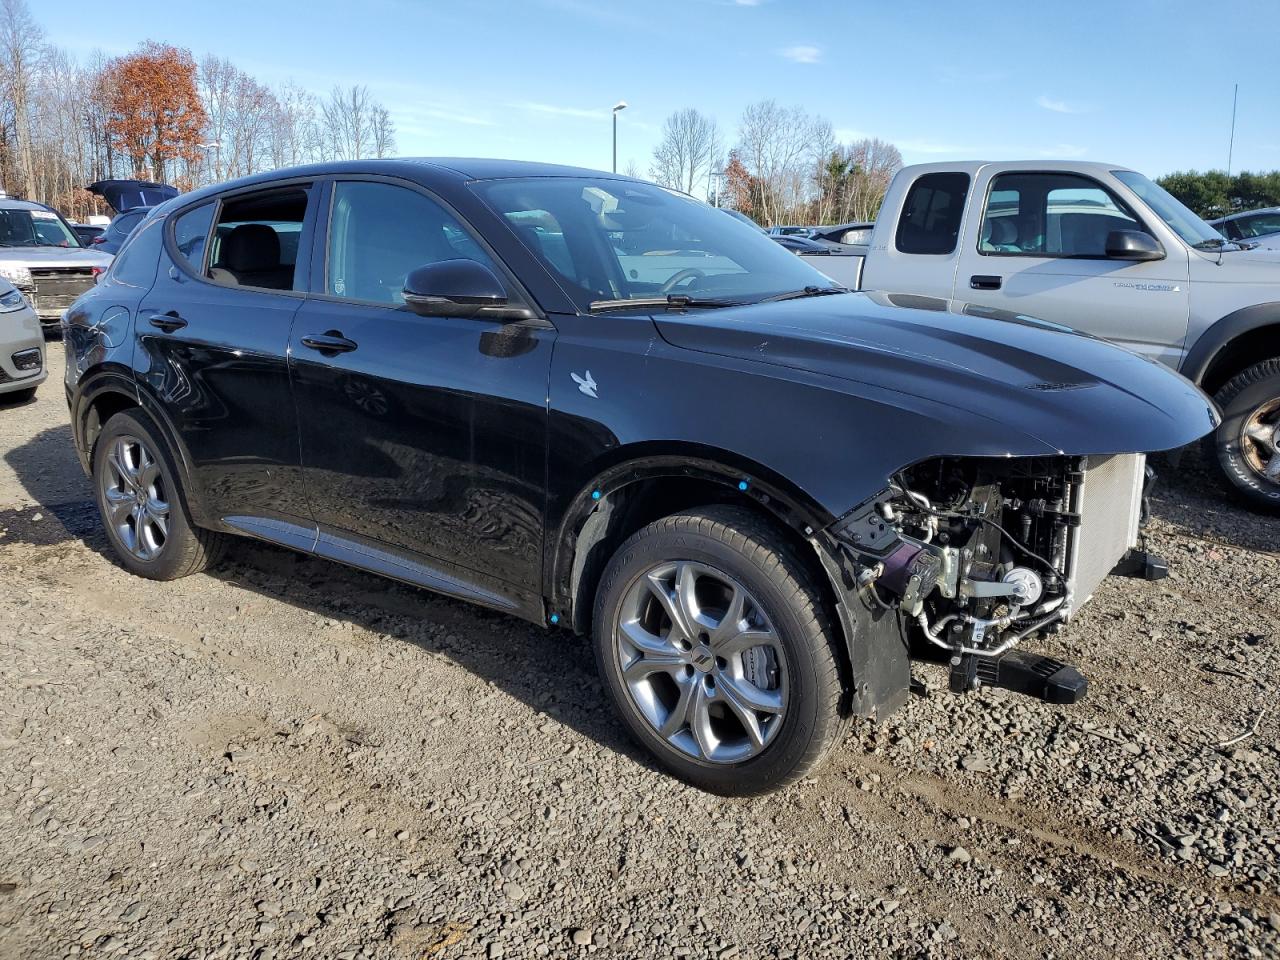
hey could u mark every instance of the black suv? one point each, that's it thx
(602, 405)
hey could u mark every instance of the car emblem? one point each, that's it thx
(586, 384)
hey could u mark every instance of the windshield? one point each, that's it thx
(34, 228)
(1194, 231)
(610, 240)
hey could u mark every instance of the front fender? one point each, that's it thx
(1210, 345)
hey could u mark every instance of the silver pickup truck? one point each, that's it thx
(1105, 250)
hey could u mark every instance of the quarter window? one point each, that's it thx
(930, 221)
(1050, 215)
(379, 233)
(191, 235)
(255, 242)
(135, 265)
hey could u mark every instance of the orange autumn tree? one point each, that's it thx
(154, 110)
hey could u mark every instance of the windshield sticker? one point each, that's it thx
(43, 215)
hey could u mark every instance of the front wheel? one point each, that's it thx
(713, 641)
(1247, 442)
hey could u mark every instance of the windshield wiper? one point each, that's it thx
(1216, 243)
(806, 292)
(672, 301)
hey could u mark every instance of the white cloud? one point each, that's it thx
(931, 146)
(747, 3)
(1060, 106)
(558, 111)
(802, 53)
(470, 120)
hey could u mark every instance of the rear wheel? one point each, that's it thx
(712, 639)
(1247, 442)
(142, 506)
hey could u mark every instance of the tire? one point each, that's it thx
(130, 454)
(719, 550)
(1247, 442)
(18, 397)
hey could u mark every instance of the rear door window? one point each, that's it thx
(930, 221)
(255, 241)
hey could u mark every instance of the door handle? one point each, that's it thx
(329, 343)
(981, 281)
(168, 322)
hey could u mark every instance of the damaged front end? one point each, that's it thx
(974, 556)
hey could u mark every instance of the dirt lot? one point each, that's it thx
(288, 758)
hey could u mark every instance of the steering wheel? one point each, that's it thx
(680, 276)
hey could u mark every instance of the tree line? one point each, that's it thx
(157, 114)
(1214, 193)
(784, 166)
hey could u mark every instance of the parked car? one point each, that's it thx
(132, 200)
(747, 484)
(21, 346)
(86, 232)
(42, 256)
(1102, 249)
(117, 232)
(1251, 226)
(791, 231)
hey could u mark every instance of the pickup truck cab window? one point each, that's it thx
(932, 214)
(379, 232)
(255, 242)
(1050, 215)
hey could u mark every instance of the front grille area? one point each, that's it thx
(1109, 502)
(58, 287)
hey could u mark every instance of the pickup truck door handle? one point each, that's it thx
(168, 322)
(329, 343)
(980, 281)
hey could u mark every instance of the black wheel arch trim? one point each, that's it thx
(1218, 337)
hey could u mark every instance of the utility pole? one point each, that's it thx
(617, 108)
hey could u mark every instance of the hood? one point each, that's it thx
(53, 257)
(1074, 393)
(1259, 265)
(124, 195)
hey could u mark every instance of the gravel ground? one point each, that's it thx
(286, 758)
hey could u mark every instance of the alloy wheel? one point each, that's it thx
(137, 503)
(701, 662)
(1260, 441)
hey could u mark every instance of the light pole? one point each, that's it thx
(617, 108)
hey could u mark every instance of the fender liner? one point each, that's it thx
(875, 646)
(1200, 358)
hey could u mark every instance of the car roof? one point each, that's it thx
(11, 204)
(459, 169)
(1246, 213)
(971, 167)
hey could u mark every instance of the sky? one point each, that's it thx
(1143, 83)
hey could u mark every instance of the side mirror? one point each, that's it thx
(459, 288)
(1133, 245)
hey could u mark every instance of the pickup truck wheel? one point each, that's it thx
(714, 644)
(142, 506)
(1248, 440)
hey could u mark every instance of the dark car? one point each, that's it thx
(87, 232)
(117, 232)
(599, 405)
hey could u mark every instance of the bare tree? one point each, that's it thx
(774, 142)
(687, 151)
(347, 122)
(294, 135)
(21, 47)
(383, 131)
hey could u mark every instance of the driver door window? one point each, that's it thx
(1050, 215)
(379, 233)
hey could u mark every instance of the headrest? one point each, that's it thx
(1003, 230)
(250, 247)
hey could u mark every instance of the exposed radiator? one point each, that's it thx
(1109, 502)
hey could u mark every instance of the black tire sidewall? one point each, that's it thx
(1241, 477)
(805, 693)
(179, 540)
